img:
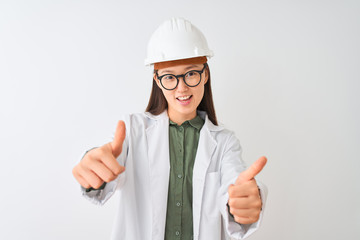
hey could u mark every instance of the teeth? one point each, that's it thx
(184, 98)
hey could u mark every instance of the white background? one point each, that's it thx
(285, 78)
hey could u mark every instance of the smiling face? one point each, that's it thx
(183, 100)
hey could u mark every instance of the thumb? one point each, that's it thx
(116, 144)
(252, 171)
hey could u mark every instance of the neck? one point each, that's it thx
(179, 118)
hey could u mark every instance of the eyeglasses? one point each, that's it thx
(191, 78)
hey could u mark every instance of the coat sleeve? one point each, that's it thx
(231, 166)
(100, 196)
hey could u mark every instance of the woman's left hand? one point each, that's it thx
(244, 196)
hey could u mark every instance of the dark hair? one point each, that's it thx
(157, 102)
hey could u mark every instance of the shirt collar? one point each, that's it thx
(196, 122)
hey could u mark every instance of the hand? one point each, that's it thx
(244, 197)
(100, 165)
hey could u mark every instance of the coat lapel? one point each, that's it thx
(158, 136)
(204, 153)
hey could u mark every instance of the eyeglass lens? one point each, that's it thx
(191, 78)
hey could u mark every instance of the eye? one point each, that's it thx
(191, 74)
(168, 77)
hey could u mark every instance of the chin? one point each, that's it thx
(186, 111)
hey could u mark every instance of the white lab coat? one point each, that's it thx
(143, 186)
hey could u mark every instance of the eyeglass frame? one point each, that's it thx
(182, 76)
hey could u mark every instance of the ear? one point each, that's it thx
(156, 80)
(206, 75)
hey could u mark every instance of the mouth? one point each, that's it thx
(184, 99)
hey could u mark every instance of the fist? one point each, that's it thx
(244, 196)
(100, 165)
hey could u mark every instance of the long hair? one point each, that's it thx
(157, 102)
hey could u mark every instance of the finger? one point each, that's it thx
(252, 171)
(245, 189)
(245, 203)
(83, 182)
(235, 191)
(112, 164)
(90, 177)
(80, 179)
(244, 213)
(243, 220)
(102, 171)
(116, 144)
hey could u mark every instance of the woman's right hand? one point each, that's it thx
(100, 165)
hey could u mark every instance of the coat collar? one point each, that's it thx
(202, 114)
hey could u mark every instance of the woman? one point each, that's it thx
(184, 177)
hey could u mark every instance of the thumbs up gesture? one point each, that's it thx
(244, 197)
(100, 165)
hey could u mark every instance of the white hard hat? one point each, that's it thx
(176, 39)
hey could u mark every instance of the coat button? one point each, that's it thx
(177, 233)
(178, 204)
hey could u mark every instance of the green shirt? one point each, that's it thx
(183, 142)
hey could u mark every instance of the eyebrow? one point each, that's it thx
(187, 68)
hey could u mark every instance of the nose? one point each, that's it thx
(182, 86)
